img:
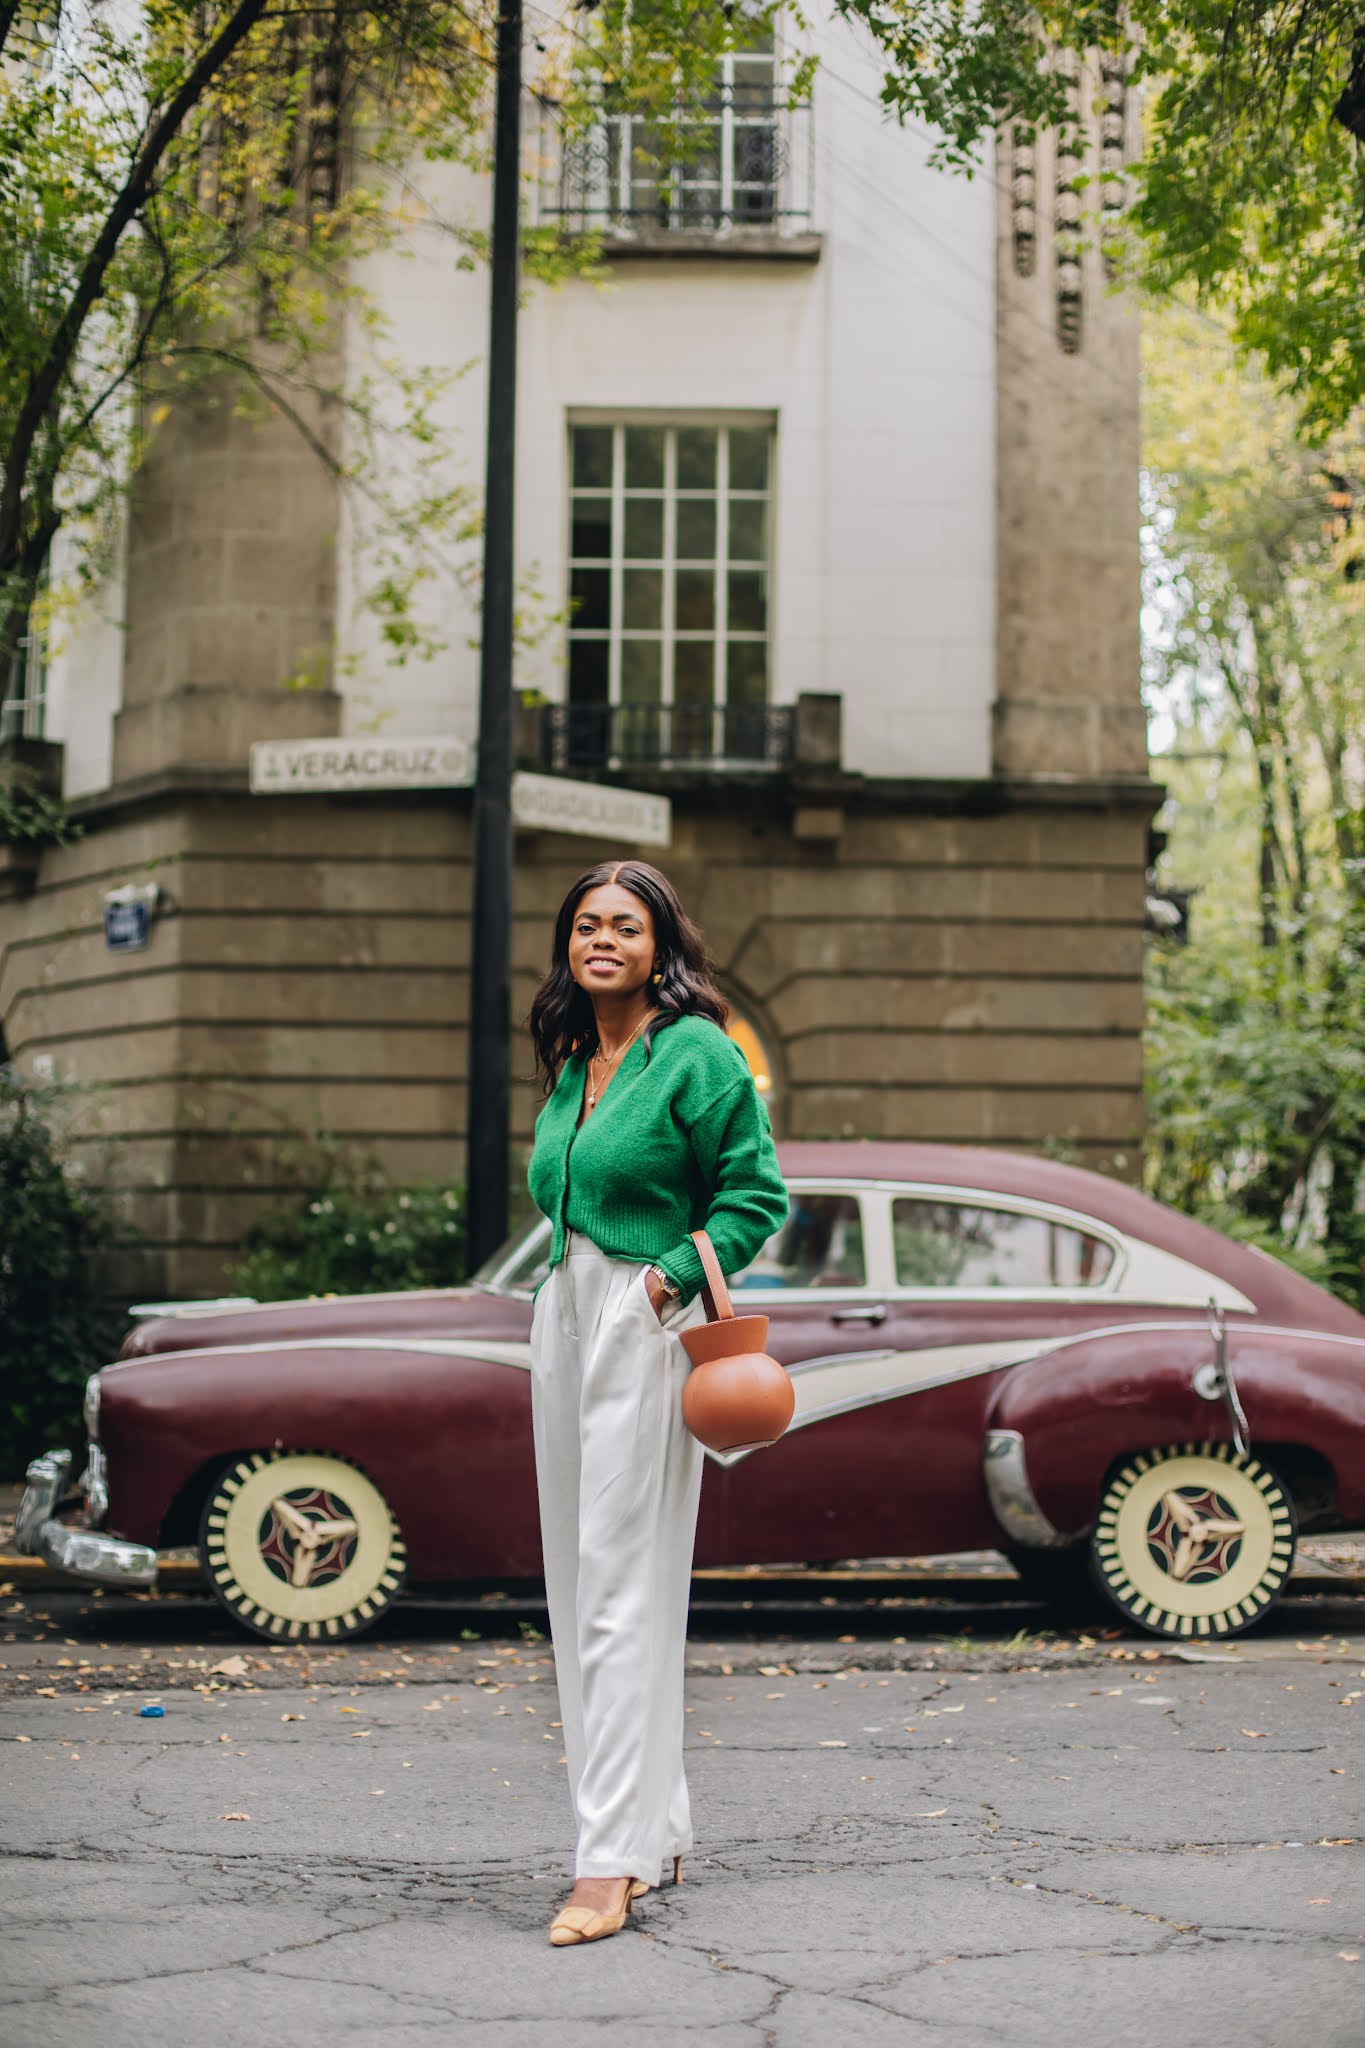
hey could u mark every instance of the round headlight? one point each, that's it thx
(92, 1407)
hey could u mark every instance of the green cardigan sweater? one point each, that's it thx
(679, 1141)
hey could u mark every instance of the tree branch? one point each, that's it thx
(46, 380)
(245, 367)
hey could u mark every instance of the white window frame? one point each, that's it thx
(25, 713)
(619, 207)
(721, 634)
(589, 180)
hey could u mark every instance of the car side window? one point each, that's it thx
(954, 1244)
(819, 1245)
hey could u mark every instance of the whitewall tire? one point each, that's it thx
(1193, 1540)
(301, 1545)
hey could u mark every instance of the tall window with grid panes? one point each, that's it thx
(23, 705)
(668, 589)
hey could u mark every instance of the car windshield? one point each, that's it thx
(520, 1264)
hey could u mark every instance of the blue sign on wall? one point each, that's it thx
(127, 926)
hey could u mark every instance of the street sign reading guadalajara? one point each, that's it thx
(288, 766)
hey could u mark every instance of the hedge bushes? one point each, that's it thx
(56, 1324)
(356, 1233)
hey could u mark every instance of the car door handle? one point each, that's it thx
(875, 1312)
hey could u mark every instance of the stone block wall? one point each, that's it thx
(922, 975)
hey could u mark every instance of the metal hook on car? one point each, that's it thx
(1214, 1382)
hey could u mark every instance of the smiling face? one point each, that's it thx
(611, 945)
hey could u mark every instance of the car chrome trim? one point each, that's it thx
(142, 1310)
(518, 1352)
(85, 1553)
(1005, 1469)
(94, 1484)
(90, 1407)
(47, 1477)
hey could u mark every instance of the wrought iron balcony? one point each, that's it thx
(738, 161)
(749, 737)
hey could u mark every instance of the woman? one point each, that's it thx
(653, 1129)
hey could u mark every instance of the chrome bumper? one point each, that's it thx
(1011, 1496)
(85, 1553)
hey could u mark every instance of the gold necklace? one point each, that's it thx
(593, 1090)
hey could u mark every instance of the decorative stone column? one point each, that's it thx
(231, 593)
(1067, 662)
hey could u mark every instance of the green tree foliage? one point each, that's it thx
(55, 1237)
(185, 187)
(1257, 1029)
(1251, 185)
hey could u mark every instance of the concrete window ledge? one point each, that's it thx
(752, 245)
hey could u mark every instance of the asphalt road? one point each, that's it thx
(949, 1822)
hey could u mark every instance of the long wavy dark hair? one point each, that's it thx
(562, 1020)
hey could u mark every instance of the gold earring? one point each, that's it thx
(657, 979)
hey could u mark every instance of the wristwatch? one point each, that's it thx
(670, 1287)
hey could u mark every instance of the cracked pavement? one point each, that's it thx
(899, 1844)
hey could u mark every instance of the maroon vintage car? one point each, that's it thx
(987, 1350)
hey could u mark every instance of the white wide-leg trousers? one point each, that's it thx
(619, 1479)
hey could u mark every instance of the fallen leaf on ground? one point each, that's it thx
(234, 1816)
(231, 1667)
(936, 1813)
(1255, 1734)
(829, 1745)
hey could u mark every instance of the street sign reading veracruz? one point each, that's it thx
(545, 803)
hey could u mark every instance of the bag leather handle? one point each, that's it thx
(714, 1291)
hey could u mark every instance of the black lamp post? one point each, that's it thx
(487, 1148)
